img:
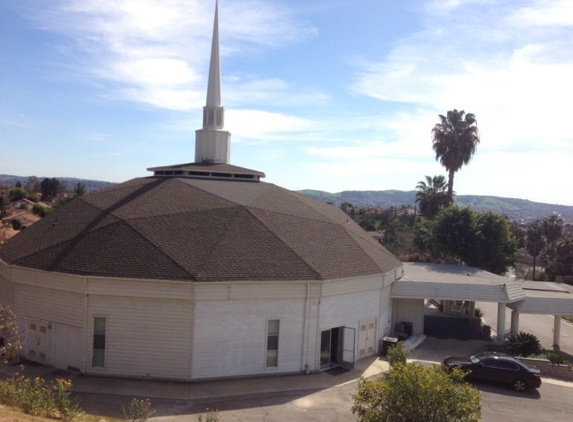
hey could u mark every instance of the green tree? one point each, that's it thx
(80, 189)
(454, 141)
(455, 233)
(562, 263)
(552, 229)
(17, 193)
(33, 184)
(49, 188)
(432, 195)
(495, 246)
(535, 242)
(482, 240)
(415, 393)
(16, 224)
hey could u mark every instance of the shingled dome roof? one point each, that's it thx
(199, 230)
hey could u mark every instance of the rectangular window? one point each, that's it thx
(98, 356)
(272, 343)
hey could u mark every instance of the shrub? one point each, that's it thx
(524, 344)
(415, 393)
(16, 224)
(36, 398)
(478, 313)
(138, 410)
(39, 210)
(397, 354)
(67, 407)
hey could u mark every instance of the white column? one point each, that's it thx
(472, 310)
(514, 322)
(500, 322)
(556, 330)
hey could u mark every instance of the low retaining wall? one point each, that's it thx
(549, 370)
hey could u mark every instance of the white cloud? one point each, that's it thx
(515, 86)
(544, 13)
(264, 126)
(153, 51)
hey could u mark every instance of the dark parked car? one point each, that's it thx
(497, 367)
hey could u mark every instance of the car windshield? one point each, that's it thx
(478, 358)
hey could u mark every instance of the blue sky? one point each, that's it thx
(326, 94)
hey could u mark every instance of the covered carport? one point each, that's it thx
(544, 298)
(422, 281)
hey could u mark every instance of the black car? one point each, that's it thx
(497, 367)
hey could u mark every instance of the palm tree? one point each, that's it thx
(455, 140)
(552, 229)
(431, 195)
(535, 242)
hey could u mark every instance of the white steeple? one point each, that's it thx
(212, 144)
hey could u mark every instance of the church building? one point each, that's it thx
(200, 270)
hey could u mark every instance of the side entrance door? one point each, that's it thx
(38, 344)
(367, 338)
(69, 348)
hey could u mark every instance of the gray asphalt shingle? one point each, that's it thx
(199, 230)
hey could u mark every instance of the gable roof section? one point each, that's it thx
(199, 230)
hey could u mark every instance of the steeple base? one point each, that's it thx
(212, 146)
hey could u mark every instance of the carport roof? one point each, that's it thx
(545, 298)
(455, 282)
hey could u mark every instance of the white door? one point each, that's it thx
(38, 341)
(67, 348)
(367, 338)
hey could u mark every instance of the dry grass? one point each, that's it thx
(10, 414)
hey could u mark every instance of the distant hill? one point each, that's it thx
(71, 182)
(516, 209)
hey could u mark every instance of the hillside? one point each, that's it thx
(516, 209)
(71, 182)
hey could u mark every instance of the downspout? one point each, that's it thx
(305, 333)
(85, 330)
(318, 334)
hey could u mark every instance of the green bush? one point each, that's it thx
(555, 359)
(524, 344)
(397, 354)
(37, 398)
(39, 210)
(416, 393)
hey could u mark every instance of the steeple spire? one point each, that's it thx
(212, 144)
(214, 87)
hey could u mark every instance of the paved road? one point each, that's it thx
(551, 402)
